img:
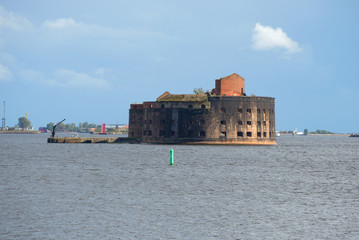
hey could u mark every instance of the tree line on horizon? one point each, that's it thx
(72, 127)
(318, 131)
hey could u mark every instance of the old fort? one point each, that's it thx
(223, 116)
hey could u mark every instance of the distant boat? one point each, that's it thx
(277, 134)
(354, 135)
(295, 132)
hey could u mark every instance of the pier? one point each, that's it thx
(93, 140)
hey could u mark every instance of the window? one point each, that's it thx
(190, 106)
(240, 122)
(173, 133)
(144, 133)
(173, 121)
(259, 123)
(202, 133)
(132, 134)
(239, 110)
(145, 121)
(203, 106)
(190, 122)
(239, 134)
(264, 123)
(264, 134)
(270, 134)
(249, 134)
(149, 133)
(249, 110)
(162, 106)
(162, 133)
(258, 110)
(223, 110)
(264, 111)
(163, 121)
(249, 123)
(259, 134)
(150, 121)
(223, 122)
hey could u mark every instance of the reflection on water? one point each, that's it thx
(304, 188)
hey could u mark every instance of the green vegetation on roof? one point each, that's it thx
(200, 97)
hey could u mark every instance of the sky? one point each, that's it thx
(87, 61)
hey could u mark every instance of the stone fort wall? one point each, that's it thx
(219, 120)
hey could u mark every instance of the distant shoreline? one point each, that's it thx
(317, 134)
(20, 132)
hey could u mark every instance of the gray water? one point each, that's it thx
(306, 187)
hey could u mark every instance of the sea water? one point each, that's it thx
(305, 187)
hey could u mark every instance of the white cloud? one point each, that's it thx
(5, 74)
(267, 38)
(69, 78)
(60, 23)
(71, 28)
(66, 79)
(13, 21)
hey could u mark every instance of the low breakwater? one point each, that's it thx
(93, 140)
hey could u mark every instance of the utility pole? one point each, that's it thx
(3, 119)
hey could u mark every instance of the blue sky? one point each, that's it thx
(89, 60)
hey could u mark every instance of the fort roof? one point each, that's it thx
(168, 97)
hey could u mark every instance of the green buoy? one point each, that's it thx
(171, 158)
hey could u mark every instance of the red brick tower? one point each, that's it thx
(232, 85)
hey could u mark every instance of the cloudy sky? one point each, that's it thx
(89, 60)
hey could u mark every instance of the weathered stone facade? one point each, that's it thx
(206, 118)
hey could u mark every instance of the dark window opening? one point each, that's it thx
(163, 121)
(173, 133)
(162, 106)
(264, 111)
(203, 106)
(144, 133)
(222, 134)
(223, 122)
(249, 110)
(264, 134)
(149, 133)
(202, 133)
(190, 122)
(223, 110)
(190, 106)
(264, 123)
(259, 123)
(249, 123)
(249, 134)
(259, 134)
(270, 134)
(145, 121)
(132, 134)
(240, 122)
(150, 121)
(258, 110)
(239, 110)
(239, 134)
